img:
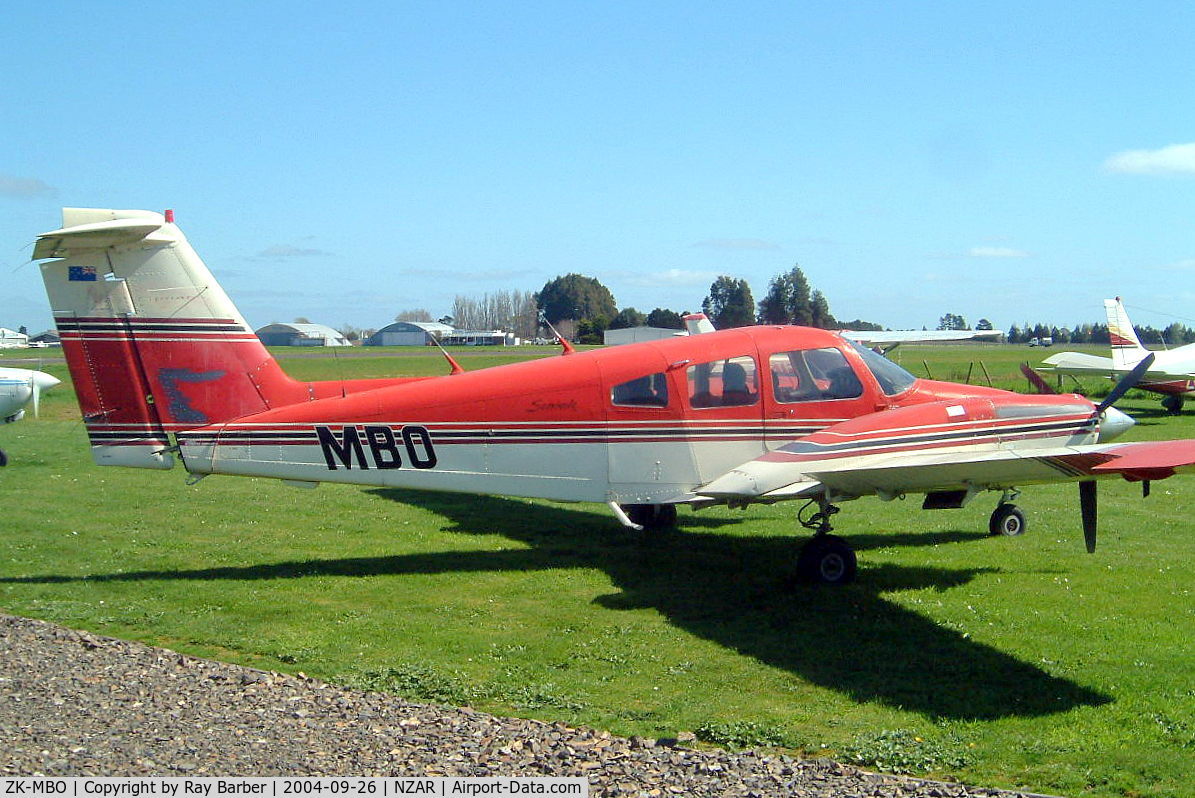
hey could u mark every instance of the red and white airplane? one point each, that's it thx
(166, 368)
(1172, 373)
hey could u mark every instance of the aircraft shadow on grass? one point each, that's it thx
(731, 590)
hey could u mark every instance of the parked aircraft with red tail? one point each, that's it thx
(1172, 373)
(166, 369)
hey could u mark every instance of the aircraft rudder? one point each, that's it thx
(1126, 347)
(153, 343)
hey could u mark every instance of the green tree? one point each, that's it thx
(729, 303)
(953, 321)
(576, 297)
(788, 300)
(859, 325)
(589, 331)
(819, 312)
(665, 319)
(983, 324)
(627, 317)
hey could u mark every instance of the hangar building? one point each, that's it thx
(301, 335)
(11, 339)
(408, 333)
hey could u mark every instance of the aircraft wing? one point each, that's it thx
(1078, 363)
(775, 477)
(894, 337)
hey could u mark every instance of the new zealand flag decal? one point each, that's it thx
(84, 273)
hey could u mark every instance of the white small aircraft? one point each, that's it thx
(19, 387)
(884, 340)
(1172, 373)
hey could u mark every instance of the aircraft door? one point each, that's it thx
(723, 407)
(810, 389)
(649, 457)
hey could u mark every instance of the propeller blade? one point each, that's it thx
(1087, 507)
(36, 388)
(1126, 382)
(1035, 379)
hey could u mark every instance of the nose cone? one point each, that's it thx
(44, 381)
(1113, 424)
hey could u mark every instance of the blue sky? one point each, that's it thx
(343, 162)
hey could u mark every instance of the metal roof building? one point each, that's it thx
(301, 335)
(408, 333)
(630, 335)
(11, 339)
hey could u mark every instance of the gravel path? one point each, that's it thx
(76, 704)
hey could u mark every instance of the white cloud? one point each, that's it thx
(996, 252)
(1177, 159)
(1185, 265)
(24, 187)
(468, 276)
(281, 251)
(674, 277)
(737, 244)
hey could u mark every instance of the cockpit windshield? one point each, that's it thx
(892, 378)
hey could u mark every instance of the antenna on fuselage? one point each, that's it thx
(568, 348)
(456, 367)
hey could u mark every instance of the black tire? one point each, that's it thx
(1007, 519)
(3, 458)
(827, 560)
(1173, 404)
(651, 516)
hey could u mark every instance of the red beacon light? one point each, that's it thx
(169, 214)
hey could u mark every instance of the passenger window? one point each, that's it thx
(724, 383)
(648, 391)
(813, 375)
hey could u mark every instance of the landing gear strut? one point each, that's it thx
(651, 516)
(826, 559)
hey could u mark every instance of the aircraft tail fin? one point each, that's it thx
(1127, 350)
(153, 343)
(698, 323)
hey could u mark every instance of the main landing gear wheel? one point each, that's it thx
(1173, 404)
(651, 516)
(1007, 519)
(3, 458)
(828, 560)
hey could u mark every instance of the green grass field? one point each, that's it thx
(1012, 662)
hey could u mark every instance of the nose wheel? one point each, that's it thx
(827, 560)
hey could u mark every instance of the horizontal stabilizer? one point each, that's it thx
(88, 228)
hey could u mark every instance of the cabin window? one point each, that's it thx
(892, 378)
(647, 391)
(813, 375)
(724, 383)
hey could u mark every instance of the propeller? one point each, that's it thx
(1036, 380)
(1126, 382)
(1088, 490)
(40, 381)
(1087, 507)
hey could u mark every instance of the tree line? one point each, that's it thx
(582, 309)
